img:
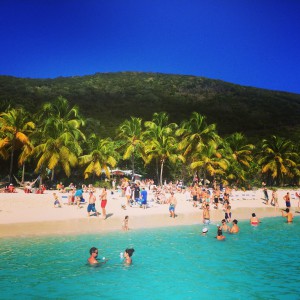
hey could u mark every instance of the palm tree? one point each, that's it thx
(130, 133)
(155, 130)
(101, 157)
(209, 160)
(160, 140)
(195, 133)
(15, 127)
(239, 154)
(278, 158)
(59, 136)
(238, 149)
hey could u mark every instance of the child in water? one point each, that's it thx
(127, 256)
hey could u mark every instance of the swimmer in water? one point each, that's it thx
(127, 256)
(224, 226)
(220, 235)
(289, 216)
(93, 258)
(204, 231)
(254, 220)
(235, 227)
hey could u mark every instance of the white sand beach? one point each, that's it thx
(24, 214)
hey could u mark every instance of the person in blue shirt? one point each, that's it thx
(144, 198)
(78, 197)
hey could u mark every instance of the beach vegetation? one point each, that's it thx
(165, 127)
(279, 160)
(16, 126)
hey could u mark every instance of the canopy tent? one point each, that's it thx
(119, 172)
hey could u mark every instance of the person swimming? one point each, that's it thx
(204, 231)
(224, 226)
(92, 260)
(289, 216)
(127, 256)
(254, 220)
(220, 235)
(234, 228)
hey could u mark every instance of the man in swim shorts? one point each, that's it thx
(287, 200)
(92, 205)
(103, 198)
(172, 202)
(206, 214)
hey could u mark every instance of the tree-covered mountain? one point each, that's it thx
(112, 97)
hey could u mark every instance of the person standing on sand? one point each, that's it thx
(206, 214)
(266, 195)
(128, 193)
(194, 195)
(172, 204)
(92, 205)
(289, 216)
(274, 200)
(287, 200)
(144, 198)
(125, 223)
(234, 228)
(103, 199)
(56, 201)
(298, 196)
(228, 214)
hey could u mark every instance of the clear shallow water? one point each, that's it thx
(169, 263)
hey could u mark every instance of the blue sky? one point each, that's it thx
(248, 42)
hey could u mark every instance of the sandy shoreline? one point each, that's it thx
(23, 215)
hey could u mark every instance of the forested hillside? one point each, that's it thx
(113, 97)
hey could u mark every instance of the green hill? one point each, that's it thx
(112, 97)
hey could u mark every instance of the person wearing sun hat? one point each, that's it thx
(204, 231)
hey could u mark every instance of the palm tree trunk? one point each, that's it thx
(23, 173)
(12, 160)
(132, 160)
(157, 171)
(161, 171)
(52, 175)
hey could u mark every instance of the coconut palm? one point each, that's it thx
(59, 137)
(102, 156)
(277, 159)
(160, 140)
(195, 133)
(131, 142)
(209, 161)
(239, 154)
(239, 149)
(156, 129)
(15, 128)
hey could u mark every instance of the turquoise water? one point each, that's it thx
(169, 263)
